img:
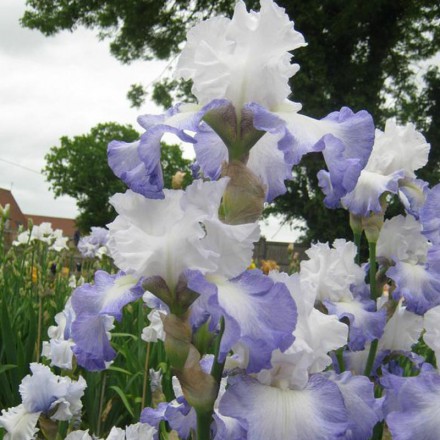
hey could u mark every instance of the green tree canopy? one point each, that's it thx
(361, 54)
(78, 168)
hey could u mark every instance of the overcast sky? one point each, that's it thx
(61, 86)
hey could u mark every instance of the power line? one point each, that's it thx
(21, 166)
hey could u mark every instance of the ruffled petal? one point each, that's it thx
(330, 272)
(316, 334)
(398, 148)
(363, 410)
(258, 313)
(419, 285)
(429, 215)
(91, 334)
(124, 160)
(366, 324)
(108, 295)
(401, 239)
(41, 389)
(268, 163)
(402, 330)
(140, 431)
(342, 135)
(316, 412)
(157, 238)
(211, 152)
(370, 186)
(79, 435)
(233, 245)
(412, 406)
(236, 59)
(59, 352)
(412, 194)
(137, 164)
(431, 336)
(19, 423)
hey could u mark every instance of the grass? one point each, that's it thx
(31, 294)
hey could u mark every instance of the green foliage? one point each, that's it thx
(30, 297)
(363, 55)
(78, 168)
(138, 29)
(136, 95)
(167, 92)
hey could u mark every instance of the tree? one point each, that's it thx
(364, 55)
(78, 168)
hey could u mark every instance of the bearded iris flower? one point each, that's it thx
(413, 261)
(163, 238)
(293, 398)
(240, 69)
(58, 398)
(397, 153)
(96, 306)
(59, 348)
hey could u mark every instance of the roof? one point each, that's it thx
(17, 218)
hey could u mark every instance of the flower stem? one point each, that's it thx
(373, 295)
(40, 323)
(204, 421)
(372, 261)
(217, 367)
(340, 358)
(371, 357)
(144, 385)
(204, 418)
(357, 236)
(101, 402)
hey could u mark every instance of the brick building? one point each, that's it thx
(17, 218)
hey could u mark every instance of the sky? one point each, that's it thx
(63, 86)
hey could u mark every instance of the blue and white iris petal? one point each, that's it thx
(411, 405)
(96, 306)
(402, 243)
(398, 151)
(182, 417)
(418, 284)
(59, 398)
(363, 410)
(231, 63)
(401, 332)
(366, 323)
(259, 313)
(59, 348)
(316, 334)
(316, 411)
(429, 215)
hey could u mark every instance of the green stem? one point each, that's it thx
(378, 429)
(373, 295)
(372, 260)
(101, 402)
(204, 421)
(371, 357)
(340, 359)
(144, 385)
(217, 367)
(357, 236)
(40, 323)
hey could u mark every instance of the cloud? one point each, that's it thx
(16, 41)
